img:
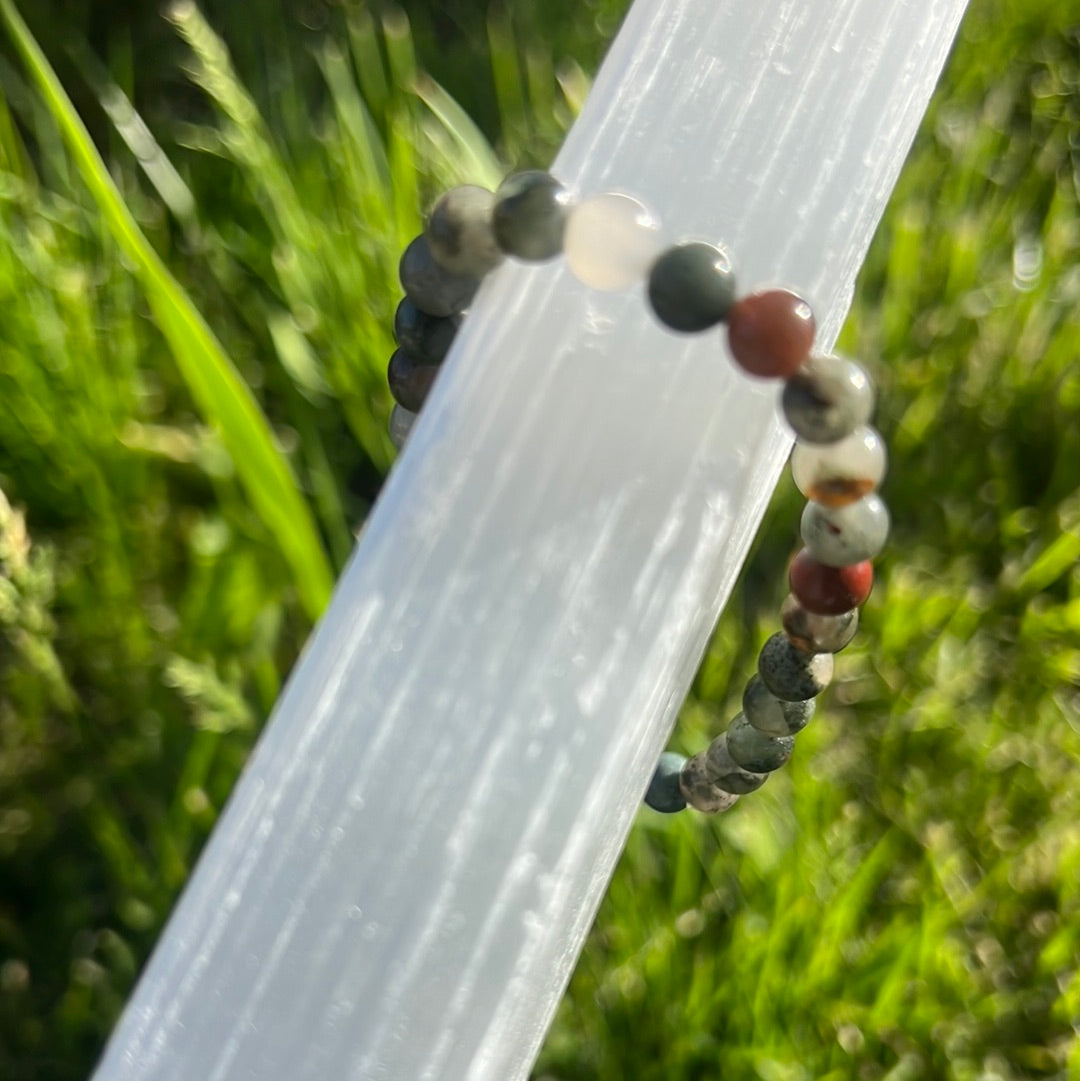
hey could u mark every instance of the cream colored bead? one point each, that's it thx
(840, 473)
(611, 241)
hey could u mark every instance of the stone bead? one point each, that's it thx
(756, 751)
(839, 536)
(813, 633)
(432, 288)
(791, 674)
(611, 241)
(841, 472)
(828, 591)
(410, 380)
(401, 423)
(664, 794)
(827, 399)
(770, 334)
(529, 216)
(772, 715)
(426, 337)
(459, 231)
(692, 286)
(726, 773)
(700, 792)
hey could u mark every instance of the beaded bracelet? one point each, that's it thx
(610, 242)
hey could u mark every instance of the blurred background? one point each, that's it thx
(903, 901)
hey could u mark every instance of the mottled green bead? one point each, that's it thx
(840, 536)
(426, 337)
(827, 399)
(770, 715)
(529, 216)
(664, 794)
(459, 231)
(756, 751)
(692, 286)
(431, 287)
(700, 791)
(789, 673)
(726, 773)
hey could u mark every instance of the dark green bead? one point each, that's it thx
(432, 288)
(755, 751)
(692, 286)
(426, 337)
(771, 715)
(410, 380)
(529, 217)
(663, 794)
(726, 773)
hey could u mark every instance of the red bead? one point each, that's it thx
(829, 591)
(770, 334)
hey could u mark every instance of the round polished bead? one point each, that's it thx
(791, 674)
(664, 794)
(401, 423)
(841, 472)
(431, 287)
(772, 715)
(529, 216)
(611, 241)
(410, 380)
(813, 633)
(700, 792)
(756, 751)
(692, 286)
(426, 337)
(770, 334)
(726, 773)
(838, 536)
(459, 231)
(827, 399)
(829, 590)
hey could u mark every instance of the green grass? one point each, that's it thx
(192, 422)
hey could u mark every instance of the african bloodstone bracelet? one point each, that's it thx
(611, 242)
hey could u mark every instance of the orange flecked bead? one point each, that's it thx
(771, 333)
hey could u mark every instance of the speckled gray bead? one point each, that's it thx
(664, 794)
(426, 337)
(726, 773)
(459, 231)
(827, 399)
(692, 286)
(840, 536)
(791, 674)
(770, 715)
(700, 792)
(754, 750)
(815, 633)
(410, 380)
(433, 288)
(401, 422)
(529, 216)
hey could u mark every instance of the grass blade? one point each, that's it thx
(213, 381)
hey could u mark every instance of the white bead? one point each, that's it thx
(611, 241)
(401, 422)
(840, 473)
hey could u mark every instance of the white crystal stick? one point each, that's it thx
(402, 880)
